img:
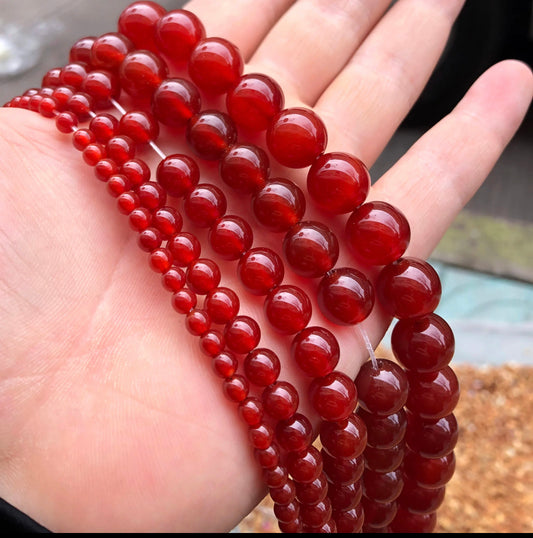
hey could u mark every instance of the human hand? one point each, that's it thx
(112, 419)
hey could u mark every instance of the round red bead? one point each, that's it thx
(280, 400)
(382, 487)
(333, 396)
(384, 460)
(210, 134)
(305, 466)
(235, 388)
(197, 322)
(202, 276)
(141, 72)
(109, 50)
(102, 86)
(251, 411)
(81, 50)
(168, 221)
(343, 471)
(74, 74)
(408, 522)
(137, 172)
(152, 195)
(245, 168)
(174, 279)
(160, 260)
(312, 492)
(178, 174)
(205, 205)
(149, 239)
(140, 218)
(230, 237)
(294, 433)
(212, 343)
(344, 438)
(225, 364)
(175, 102)
(183, 301)
(288, 308)
(262, 367)
(242, 334)
(384, 431)
(185, 248)
(260, 270)
(104, 126)
(222, 304)
(140, 126)
(431, 438)
(120, 149)
(138, 21)
(429, 472)
(316, 351)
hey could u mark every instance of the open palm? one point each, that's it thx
(111, 418)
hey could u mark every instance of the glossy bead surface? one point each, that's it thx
(138, 21)
(140, 126)
(423, 344)
(66, 122)
(260, 270)
(316, 515)
(127, 202)
(279, 205)
(431, 438)
(74, 74)
(104, 126)
(215, 65)
(377, 514)
(345, 496)
(212, 343)
(384, 431)
(344, 438)
(225, 364)
(333, 396)
(81, 138)
(230, 237)
(420, 500)
(183, 301)
(288, 309)
(283, 494)
(185, 248)
(205, 205)
(254, 101)
(251, 409)
(338, 182)
(168, 221)
(295, 433)
(349, 521)
(61, 95)
(408, 287)
(312, 492)
(81, 50)
(384, 460)
(178, 174)
(102, 86)
(197, 322)
(377, 233)
(382, 487)
(105, 169)
(261, 435)
(407, 522)
(235, 388)
(269, 457)
(345, 296)
(120, 149)
(210, 134)
(177, 33)
(280, 400)
(316, 351)
(160, 260)
(137, 172)
(245, 168)
(139, 219)
(343, 471)
(222, 304)
(203, 275)
(141, 72)
(262, 367)
(109, 50)
(93, 152)
(52, 78)
(296, 137)
(152, 195)
(382, 388)
(242, 334)
(149, 239)
(275, 477)
(286, 513)
(174, 279)
(305, 466)
(175, 102)
(429, 472)
(311, 248)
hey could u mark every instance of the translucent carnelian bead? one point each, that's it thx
(183, 301)
(61, 95)
(204, 205)
(316, 351)
(141, 73)
(283, 494)
(66, 122)
(160, 260)
(81, 50)
(338, 182)
(74, 74)
(52, 78)
(202, 276)
(197, 322)
(149, 239)
(222, 304)
(34, 102)
(81, 104)
(384, 431)
(316, 515)
(269, 457)
(185, 248)
(295, 526)
(384, 460)
(212, 343)
(109, 50)
(215, 65)
(81, 138)
(285, 513)
(174, 279)
(178, 174)
(407, 522)
(288, 308)
(175, 102)
(420, 500)
(230, 237)
(120, 149)
(235, 388)
(251, 409)
(429, 472)
(296, 137)
(242, 334)
(311, 248)
(382, 387)
(377, 233)
(423, 344)
(345, 296)
(377, 514)
(312, 492)
(408, 287)
(93, 152)
(349, 521)
(254, 101)
(210, 134)
(105, 169)
(139, 219)
(280, 400)
(433, 395)
(245, 168)
(177, 33)
(262, 367)
(260, 270)
(138, 21)
(102, 86)
(127, 202)
(431, 438)
(382, 487)
(168, 221)
(345, 496)
(140, 126)
(225, 364)
(276, 476)
(305, 466)
(343, 470)
(279, 205)
(104, 126)
(294, 433)
(261, 435)
(344, 438)
(333, 396)
(152, 195)
(137, 172)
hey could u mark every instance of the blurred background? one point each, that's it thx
(485, 260)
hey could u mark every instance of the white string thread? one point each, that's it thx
(368, 345)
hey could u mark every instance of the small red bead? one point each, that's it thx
(137, 172)
(81, 50)
(109, 50)
(104, 126)
(230, 237)
(174, 279)
(81, 138)
(222, 304)
(52, 78)
(288, 308)
(215, 65)
(384, 431)
(149, 239)
(344, 438)
(276, 476)
(251, 411)
(105, 169)
(140, 126)
(312, 492)
(177, 33)
(61, 95)
(210, 134)
(185, 248)
(305, 466)
(66, 122)
(93, 152)
(73, 74)
(261, 435)
(205, 205)
(35, 102)
(127, 202)
(295, 526)
(254, 101)
(269, 457)
(225, 364)
(311, 248)
(343, 471)
(141, 73)
(296, 137)
(152, 195)
(316, 515)
(102, 86)
(287, 513)
(235, 388)
(183, 301)
(242, 334)
(279, 205)
(316, 351)
(178, 174)
(431, 438)
(260, 270)
(345, 296)
(333, 396)
(197, 322)
(429, 472)
(140, 219)
(120, 149)
(283, 494)
(203, 275)
(295, 433)
(160, 260)
(245, 168)
(262, 367)
(168, 221)
(338, 182)
(175, 102)
(138, 22)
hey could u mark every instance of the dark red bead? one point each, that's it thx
(204, 205)
(344, 438)
(177, 33)
(175, 102)
(283, 494)
(275, 477)
(305, 466)
(138, 22)
(140, 126)
(384, 431)
(286, 513)
(312, 492)
(242, 334)
(260, 270)
(66, 122)
(288, 309)
(235, 388)
(377, 514)
(254, 101)
(81, 50)
(140, 218)
(262, 367)
(338, 182)
(212, 343)
(120, 149)
(202, 276)
(35, 102)
(295, 526)
(316, 351)
(245, 168)
(268, 458)
(345, 496)
(280, 400)
(104, 126)
(81, 138)
(408, 522)
(197, 322)
(251, 411)
(137, 172)
(333, 396)
(261, 435)
(149, 239)
(295, 433)
(349, 521)
(429, 472)
(183, 301)
(73, 74)
(230, 237)
(423, 344)
(343, 471)
(345, 296)
(408, 287)
(420, 500)
(105, 169)
(316, 515)
(127, 202)
(168, 221)
(225, 364)
(152, 195)
(178, 174)
(52, 78)
(61, 95)
(311, 248)
(384, 460)
(174, 279)
(48, 107)
(102, 86)
(382, 387)
(185, 248)
(382, 487)
(160, 260)
(141, 73)
(215, 65)
(431, 438)
(93, 152)
(109, 50)
(210, 134)
(222, 304)
(279, 205)
(296, 137)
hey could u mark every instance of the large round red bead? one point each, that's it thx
(222, 304)
(260, 270)
(210, 134)
(175, 102)
(280, 400)
(316, 351)
(344, 438)
(245, 168)
(178, 174)
(230, 237)
(242, 334)
(262, 367)
(334, 396)
(204, 205)
(141, 73)
(109, 50)
(138, 22)
(288, 308)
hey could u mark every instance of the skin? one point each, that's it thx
(111, 419)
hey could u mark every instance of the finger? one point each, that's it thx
(441, 172)
(313, 40)
(369, 99)
(243, 22)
